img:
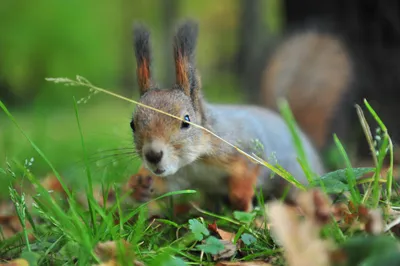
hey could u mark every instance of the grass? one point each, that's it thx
(70, 230)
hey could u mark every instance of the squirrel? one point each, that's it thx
(187, 157)
(314, 72)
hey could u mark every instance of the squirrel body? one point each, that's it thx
(188, 157)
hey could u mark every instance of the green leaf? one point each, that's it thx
(70, 250)
(336, 182)
(198, 229)
(340, 174)
(212, 246)
(387, 259)
(166, 258)
(244, 217)
(248, 239)
(334, 186)
(173, 261)
(2, 171)
(31, 257)
(371, 250)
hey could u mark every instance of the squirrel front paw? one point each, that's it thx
(143, 189)
(141, 185)
(144, 185)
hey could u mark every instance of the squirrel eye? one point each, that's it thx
(184, 124)
(132, 125)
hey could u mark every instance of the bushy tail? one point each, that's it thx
(312, 71)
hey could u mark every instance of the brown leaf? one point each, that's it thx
(374, 224)
(224, 235)
(358, 217)
(228, 251)
(300, 238)
(243, 263)
(114, 263)
(16, 262)
(108, 252)
(315, 205)
(50, 182)
(11, 225)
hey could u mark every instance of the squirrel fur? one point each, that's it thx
(187, 157)
(314, 72)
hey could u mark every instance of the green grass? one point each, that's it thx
(67, 233)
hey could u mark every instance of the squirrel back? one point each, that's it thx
(313, 71)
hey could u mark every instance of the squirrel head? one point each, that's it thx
(166, 144)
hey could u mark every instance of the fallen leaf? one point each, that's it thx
(315, 205)
(300, 238)
(243, 263)
(228, 251)
(374, 224)
(108, 252)
(11, 225)
(50, 182)
(16, 262)
(114, 263)
(224, 235)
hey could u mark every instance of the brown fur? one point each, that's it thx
(182, 75)
(242, 183)
(143, 75)
(312, 71)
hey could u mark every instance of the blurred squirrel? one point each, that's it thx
(313, 71)
(187, 157)
(322, 80)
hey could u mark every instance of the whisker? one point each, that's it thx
(93, 159)
(118, 160)
(100, 157)
(116, 149)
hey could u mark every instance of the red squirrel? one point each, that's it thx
(187, 157)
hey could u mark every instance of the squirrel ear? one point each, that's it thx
(184, 55)
(141, 42)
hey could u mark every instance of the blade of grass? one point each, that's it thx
(133, 213)
(36, 148)
(351, 181)
(89, 193)
(389, 177)
(291, 123)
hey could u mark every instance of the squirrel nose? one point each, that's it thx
(154, 157)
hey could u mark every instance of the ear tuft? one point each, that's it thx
(184, 53)
(141, 42)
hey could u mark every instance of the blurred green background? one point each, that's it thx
(92, 39)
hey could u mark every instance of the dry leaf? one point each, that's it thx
(224, 235)
(359, 217)
(374, 224)
(315, 205)
(228, 252)
(243, 263)
(16, 262)
(11, 225)
(300, 238)
(114, 263)
(108, 251)
(50, 182)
